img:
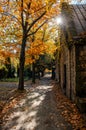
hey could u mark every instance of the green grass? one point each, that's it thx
(13, 79)
(9, 80)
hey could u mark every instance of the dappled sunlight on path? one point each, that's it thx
(37, 111)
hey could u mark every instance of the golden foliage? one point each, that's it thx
(16, 17)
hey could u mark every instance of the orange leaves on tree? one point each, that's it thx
(1, 9)
(36, 48)
(23, 20)
(50, 47)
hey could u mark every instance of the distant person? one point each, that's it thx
(53, 72)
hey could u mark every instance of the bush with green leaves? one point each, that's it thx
(3, 72)
(27, 72)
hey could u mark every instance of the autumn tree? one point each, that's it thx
(26, 15)
(42, 44)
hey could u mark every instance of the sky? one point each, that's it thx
(78, 2)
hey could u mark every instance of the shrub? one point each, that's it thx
(27, 72)
(3, 72)
(12, 72)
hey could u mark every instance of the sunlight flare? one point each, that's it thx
(59, 20)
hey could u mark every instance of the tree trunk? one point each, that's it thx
(33, 73)
(8, 66)
(21, 64)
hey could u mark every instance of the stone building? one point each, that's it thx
(72, 57)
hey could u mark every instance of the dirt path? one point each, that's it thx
(37, 111)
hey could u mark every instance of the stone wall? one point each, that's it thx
(65, 70)
(81, 70)
(72, 73)
(62, 62)
(57, 71)
(68, 73)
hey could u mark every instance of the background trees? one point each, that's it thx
(22, 19)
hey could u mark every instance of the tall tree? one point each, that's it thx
(28, 14)
(41, 43)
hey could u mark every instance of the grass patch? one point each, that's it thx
(10, 80)
(13, 79)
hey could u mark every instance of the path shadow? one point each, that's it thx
(37, 111)
(48, 117)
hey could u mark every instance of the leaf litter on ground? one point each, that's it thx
(68, 109)
(9, 97)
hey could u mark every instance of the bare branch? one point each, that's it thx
(22, 14)
(27, 14)
(37, 28)
(36, 21)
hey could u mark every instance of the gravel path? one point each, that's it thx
(37, 111)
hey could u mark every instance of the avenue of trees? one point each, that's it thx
(24, 31)
(27, 33)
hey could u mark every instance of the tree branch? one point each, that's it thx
(8, 14)
(36, 21)
(22, 14)
(37, 28)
